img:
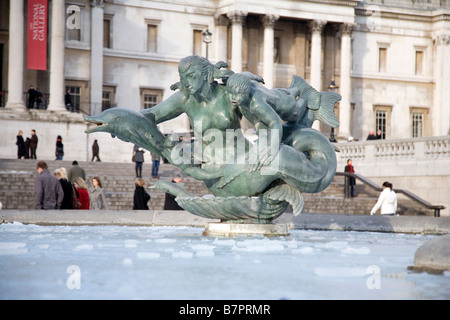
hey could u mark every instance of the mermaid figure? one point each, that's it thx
(289, 157)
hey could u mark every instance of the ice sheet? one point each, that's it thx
(119, 262)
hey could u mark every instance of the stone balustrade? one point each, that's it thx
(429, 148)
(420, 165)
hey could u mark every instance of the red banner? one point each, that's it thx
(37, 34)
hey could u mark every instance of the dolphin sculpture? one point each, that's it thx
(129, 126)
(266, 191)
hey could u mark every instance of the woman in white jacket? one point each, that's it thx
(387, 201)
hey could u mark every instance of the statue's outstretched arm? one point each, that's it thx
(267, 117)
(168, 109)
(201, 174)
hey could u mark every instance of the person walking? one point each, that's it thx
(351, 180)
(59, 151)
(387, 201)
(156, 159)
(75, 172)
(95, 151)
(67, 188)
(97, 198)
(33, 144)
(83, 194)
(20, 143)
(141, 197)
(138, 156)
(47, 189)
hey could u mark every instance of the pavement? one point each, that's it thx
(376, 223)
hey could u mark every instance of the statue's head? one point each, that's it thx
(195, 72)
(239, 89)
(198, 75)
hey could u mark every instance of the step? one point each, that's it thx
(17, 188)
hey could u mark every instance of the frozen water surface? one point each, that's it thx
(120, 262)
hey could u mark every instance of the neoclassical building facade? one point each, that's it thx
(390, 59)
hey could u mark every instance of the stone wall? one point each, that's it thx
(70, 126)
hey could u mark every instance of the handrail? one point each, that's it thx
(437, 208)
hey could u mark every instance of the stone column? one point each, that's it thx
(316, 58)
(96, 56)
(58, 25)
(236, 18)
(345, 85)
(16, 54)
(269, 22)
(221, 39)
(316, 53)
(441, 123)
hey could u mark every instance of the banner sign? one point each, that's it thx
(37, 34)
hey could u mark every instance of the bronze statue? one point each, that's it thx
(250, 182)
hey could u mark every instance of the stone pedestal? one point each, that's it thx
(245, 229)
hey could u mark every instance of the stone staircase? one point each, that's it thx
(17, 188)
(332, 200)
(17, 182)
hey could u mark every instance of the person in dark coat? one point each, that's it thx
(68, 101)
(67, 188)
(141, 197)
(48, 191)
(33, 144)
(372, 135)
(27, 148)
(20, 145)
(169, 202)
(95, 151)
(138, 160)
(352, 181)
(31, 97)
(38, 98)
(59, 151)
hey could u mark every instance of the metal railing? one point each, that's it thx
(437, 208)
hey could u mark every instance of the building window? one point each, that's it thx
(73, 23)
(107, 98)
(417, 125)
(197, 45)
(383, 120)
(152, 36)
(276, 50)
(107, 33)
(380, 120)
(418, 121)
(308, 53)
(419, 63)
(75, 96)
(150, 98)
(382, 56)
